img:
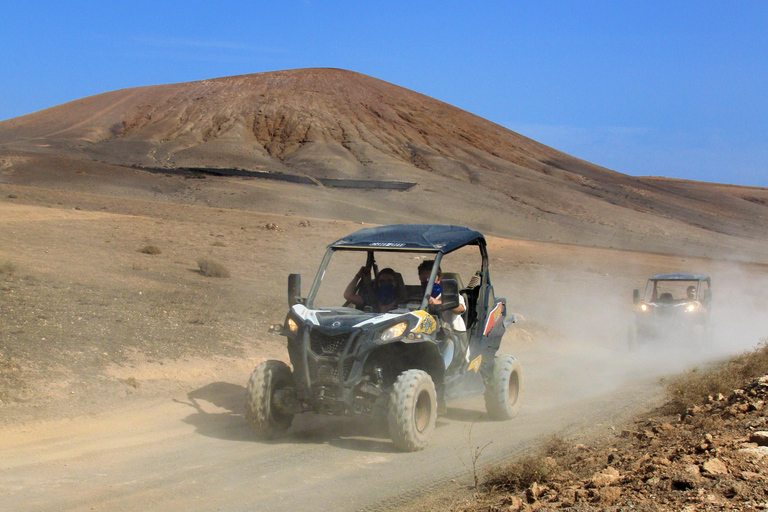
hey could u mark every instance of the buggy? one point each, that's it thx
(402, 365)
(674, 307)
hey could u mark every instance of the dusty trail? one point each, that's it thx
(195, 452)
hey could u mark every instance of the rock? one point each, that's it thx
(692, 469)
(755, 453)
(759, 437)
(605, 477)
(609, 495)
(715, 467)
(533, 492)
(515, 503)
(568, 497)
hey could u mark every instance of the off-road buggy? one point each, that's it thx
(675, 307)
(399, 366)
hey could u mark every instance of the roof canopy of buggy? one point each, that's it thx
(411, 237)
(680, 277)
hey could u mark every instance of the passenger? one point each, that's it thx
(385, 296)
(691, 292)
(451, 317)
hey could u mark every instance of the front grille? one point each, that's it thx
(322, 372)
(325, 345)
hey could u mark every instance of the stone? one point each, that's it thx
(760, 437)
(605, 477)
(755, 453)
(609, 495)
(533, 492)
(715, 467)
(515, 504)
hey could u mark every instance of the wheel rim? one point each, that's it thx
(422, 411)
(513, 389)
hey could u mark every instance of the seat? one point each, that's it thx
(455, 276)
(463, 291)
(666, 298)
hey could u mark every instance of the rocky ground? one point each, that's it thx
(713, 456)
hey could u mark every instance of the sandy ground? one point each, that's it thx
(122, 373)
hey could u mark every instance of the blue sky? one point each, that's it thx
(675, 89)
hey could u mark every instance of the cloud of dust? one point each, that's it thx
(573, 343)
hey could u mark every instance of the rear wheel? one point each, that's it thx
(504, 392)
(264, 418)
(412, 410)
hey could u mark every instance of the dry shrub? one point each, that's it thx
(211, 268)
(7, 267)
(540, 467)
(519, 475)
(150, 249)
(696, 386)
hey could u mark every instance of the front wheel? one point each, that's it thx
(264, 418)
(503, 393)
(412, 410)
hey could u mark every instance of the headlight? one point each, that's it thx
(393, 332)
(643, 307)
(292, 325)
(691, 307)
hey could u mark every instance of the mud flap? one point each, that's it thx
(493, 331)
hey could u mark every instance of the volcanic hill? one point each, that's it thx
(329, 142)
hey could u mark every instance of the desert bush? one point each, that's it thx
(7, 268)
(520, 474)
(696, 386)
(150, 249)
(538, 467)
(211, 268)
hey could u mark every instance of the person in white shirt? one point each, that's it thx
(452, 317)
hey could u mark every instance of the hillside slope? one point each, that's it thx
(336, 124)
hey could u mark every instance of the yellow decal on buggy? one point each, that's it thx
(475, 364)
(427, 323)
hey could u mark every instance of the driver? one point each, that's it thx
(451, 317)
(385, 296)
(691, 292)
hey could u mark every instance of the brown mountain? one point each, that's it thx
(322, 124)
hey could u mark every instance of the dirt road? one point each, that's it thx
(195, 452)
(86, 317)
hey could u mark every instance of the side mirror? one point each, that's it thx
(707, 295)
(449, 289)
(294, 290)
(636, 296)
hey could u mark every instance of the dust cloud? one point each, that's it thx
(572, 330)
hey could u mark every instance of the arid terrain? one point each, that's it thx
(123, 366)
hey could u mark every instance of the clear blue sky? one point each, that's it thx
(657, 88)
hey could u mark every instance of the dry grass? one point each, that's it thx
(539, 467)
(211, 268)
(696, 386)
(150, 249)
(7, 268)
